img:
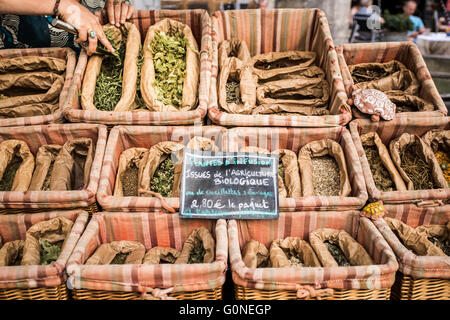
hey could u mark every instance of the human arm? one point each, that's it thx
(118, 11)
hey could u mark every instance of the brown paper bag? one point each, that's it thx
(317, 149)
(11, 253)
(157, 255)
(273, 64)
(353, 251)
(32, 63)
(16, 153)
(191, 80)
(255, 255)
(106, 252)
(300, 92)
(282, 249)
(202, 144)
(156, 155)
(233, 48)
(132, 157)
(438, 140)
(129, 73)
(45, 160)
(54, 230)
(372, 139)
(198, 237)
(234, 69)
(399, 144)
(72, 166)
(410, 103)
(413, 239)
(291, 180)
(285, 109)
(437, 232)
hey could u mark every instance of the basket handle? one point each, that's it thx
(306, 291)
(155, 293)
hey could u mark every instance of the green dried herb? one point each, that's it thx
(9, 174)
(233, 92)
(416, 168)
(337, 254)
(120, 258)
(381, 176)
(108, 86)
(162, 180)
(197, 254)
(130, 181)
(169, 58)
(49, 252)
(140, 103)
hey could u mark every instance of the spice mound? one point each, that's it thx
(325, 172)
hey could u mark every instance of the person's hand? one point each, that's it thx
(87, 24)
(118, 11)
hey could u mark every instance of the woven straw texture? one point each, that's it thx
(389, 130)
(38, 282)
(150, 229)
(199, 22)
(405, 52)
(295, 138)
(62, 53)
(124, 137)
(376, 278)
(36, 136)
(418, 277)
(280, 30)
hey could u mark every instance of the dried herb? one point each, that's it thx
(169, 58)
(233, 92)
(443, 159)
(370, 72)
(381, 176)
(140, 103)
(281, 172)
(197, 253)
(46, 184)
(326, 179)
(49, 251)
(119, 258)
(18, 258)
(416, 168)
(443, 244)
(281, 63)
(9, 173)
(108, 86)
(162, 180)
(405, 107)
(130, 181)
(337, 254)
(293, 258)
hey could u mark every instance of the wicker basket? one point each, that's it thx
(346, 283)
(405, 52)
(418, 277)
(13, 202)
(270, 30)
(295, 138)
(199, 22)
(62, 53)
(124, 137)
(387, 131)
(100, 282)
(38, 282)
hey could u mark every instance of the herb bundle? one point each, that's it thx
(49, 252)
(162, 180)
(169, 58)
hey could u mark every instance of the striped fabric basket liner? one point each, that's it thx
(418, 277)
(38, 201)
(331, 283)
(62, 53)
(125, 137)
(389, 130)
(38, 282)
(280, 30)
(295, 138)
(163, 281)
(199, 22)
(405, 52)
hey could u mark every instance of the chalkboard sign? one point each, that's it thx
(229, 185)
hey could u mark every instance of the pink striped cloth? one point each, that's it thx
(405, 52)
(280, 30)
(388, 131)
(35, 137)
(300, 224)
(14, 227)
(62, 53)
(150, 229)
(295, 138)
(409, 263)
(125, 137)
(199, 22)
